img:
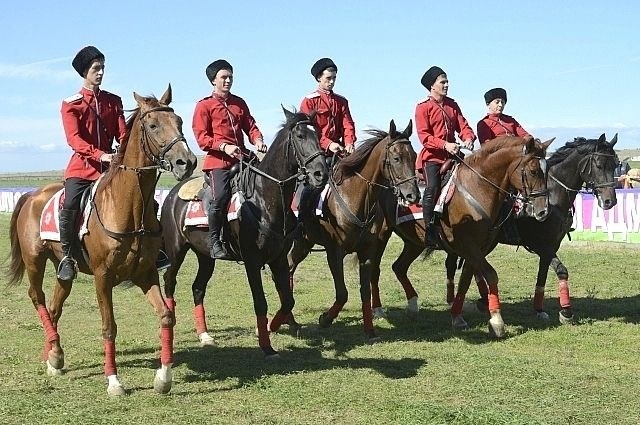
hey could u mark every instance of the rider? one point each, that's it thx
(438, 118)
(218, 123)
(332, 119)
(92, 119)
(496, 123)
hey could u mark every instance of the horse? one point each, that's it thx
(123, 236)
(351, 215)
(263, 232)
(483, 181)
(582, 163)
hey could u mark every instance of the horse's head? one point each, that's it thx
(302, 139)
(162, 140)
(530, 178)
(399, 164)
(597, 170)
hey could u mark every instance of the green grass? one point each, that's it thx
(422, 372)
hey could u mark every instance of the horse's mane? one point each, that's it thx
(493, 146)
(347, 166)
(119, 156)
(580, 143)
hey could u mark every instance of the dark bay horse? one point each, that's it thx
(582, 164)
(264, 230)
(483, 181)
(123, 236)
(351, 216)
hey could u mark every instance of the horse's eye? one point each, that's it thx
(153, 126)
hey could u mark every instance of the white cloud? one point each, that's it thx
(37, 70)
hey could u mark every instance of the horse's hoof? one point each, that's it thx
(458, 323)
(163, 380)
(372, 338)
(55, 358)
(496, 327)
(116, 390)
(566, 317)
(324, 321)
(206, 340)
(52, 371)
(379, 313)
(542, 315)
(412, 308)
(270, 353)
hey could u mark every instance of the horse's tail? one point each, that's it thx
(16, 267)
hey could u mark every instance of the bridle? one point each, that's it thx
(158, 160)
(390, 176)
(586, 165)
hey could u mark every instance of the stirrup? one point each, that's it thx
(219, 252)
(67, 269)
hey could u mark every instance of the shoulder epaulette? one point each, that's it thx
(312, 95)
(74, 98)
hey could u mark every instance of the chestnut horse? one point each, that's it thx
(123, 236)
(467, 227)
(582, 163)
(263, 232)
(351, 216)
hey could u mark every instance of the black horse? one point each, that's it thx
(265, 228)
(587, 163)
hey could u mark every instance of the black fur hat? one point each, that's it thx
(431, 76)
(215, 66)
(497, 93)
(84, 58)
(321, 65)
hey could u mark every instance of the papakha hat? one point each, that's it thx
(496, 93)
(215, 66)
(84, 58)
(431, 76)
(321, 65)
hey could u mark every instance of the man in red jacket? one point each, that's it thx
(438, 119)
(92, 119)
(496, 123)
(219, 121)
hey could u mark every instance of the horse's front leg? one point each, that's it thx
(260, 307)
(496, 323)
(206, 265)
(109, 332)
(55, 355)
(335, 256)
(538, 297)
(300, 249)
(164, 375)
(400, 268)
(566, 312)
(457, 319)
(365, 269)
(280, 275)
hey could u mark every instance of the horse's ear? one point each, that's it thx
(614, 140)
(166, 97)
(139, 99)
(287, 114)
(407, 131)
(392, 128)
(547, 143)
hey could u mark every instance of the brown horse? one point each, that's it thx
(482, 182)
(123, 236)
(351, 216)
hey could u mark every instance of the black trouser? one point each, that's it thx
(74, 187)
(220, 181)
(432, 180)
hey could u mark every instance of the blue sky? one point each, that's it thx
(570, 68)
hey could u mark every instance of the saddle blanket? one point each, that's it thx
(414, 212)
(197, 213)
(50, 217)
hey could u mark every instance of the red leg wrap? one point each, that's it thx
(408, 288)
(367, 316)
(263, 333)
(109, 357)
(277, 321)
(494, 298)
(171, 304)
(166, 341)
(458, 303)
(199, 317)
(538, 298)
(563, 289)
(334, 310)
(50, 332)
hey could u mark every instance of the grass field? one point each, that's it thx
(421, 373)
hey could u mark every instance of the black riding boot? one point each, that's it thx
(216, 220)
(430, 234)
(68, 266)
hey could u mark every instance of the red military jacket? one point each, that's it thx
(333, 119)
(438, 123)
(91, 122)
(495, 125)
(218, 120)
